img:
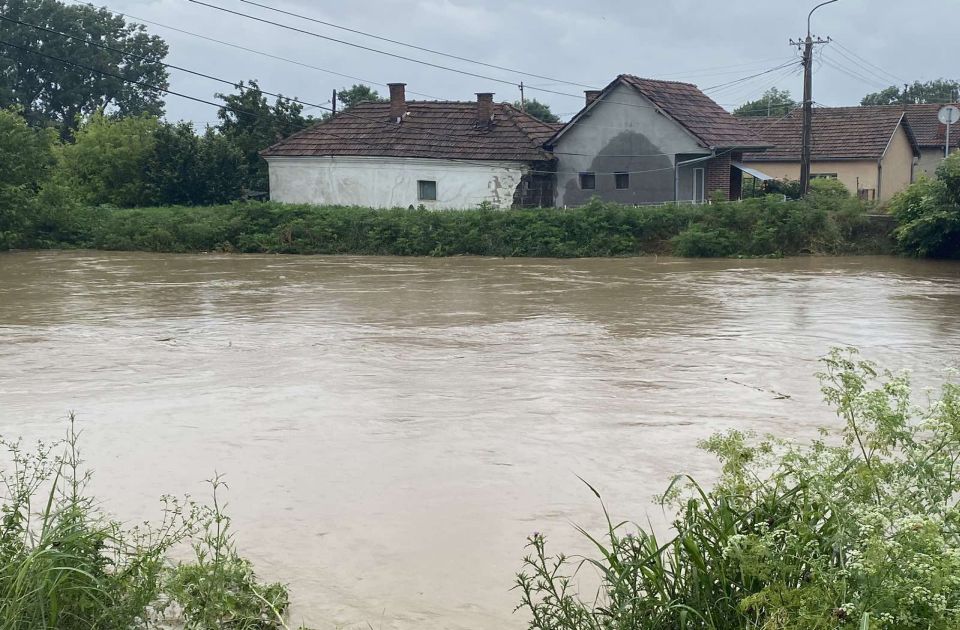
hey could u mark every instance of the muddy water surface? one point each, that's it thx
(392, 429)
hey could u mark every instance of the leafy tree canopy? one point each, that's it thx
(251, 124)
(105, 163)
(357, 94)
(937, 91)
(774, 102)
(540, 111)
(27, 157)
(52, 93)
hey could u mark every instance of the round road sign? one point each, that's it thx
(949, 114)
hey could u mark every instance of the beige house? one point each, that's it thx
(872, 150)
(931, 135)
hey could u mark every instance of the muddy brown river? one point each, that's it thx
(392, 429)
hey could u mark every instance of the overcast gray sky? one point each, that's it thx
(700, 41)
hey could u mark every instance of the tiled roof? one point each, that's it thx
(839, 133)
(714, 126)
(432, 129)
(927, 128)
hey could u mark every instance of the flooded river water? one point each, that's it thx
(392, 429)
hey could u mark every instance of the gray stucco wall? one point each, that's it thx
(929, 161)
(623, 133)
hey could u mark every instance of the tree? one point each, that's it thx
(106, 162)
(357, 94)
(187, 169)
(937, 91)
(27, 158)
(52, 93)
(540, 111)
(251, 124)
(774, 102)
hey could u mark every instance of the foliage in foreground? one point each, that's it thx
(928, 213)
(64, 564)
(758, 227)
(860, 529)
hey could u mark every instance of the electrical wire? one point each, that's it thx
(241, 87)
(851, 73)
(868, 63)
(241, 47)
(413, 46)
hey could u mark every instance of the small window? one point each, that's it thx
(588, 181)
(621, 181)
(426, 190)
(823, 175)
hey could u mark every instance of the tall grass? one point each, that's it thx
(66, 565)
(858, 530)
(756, 227)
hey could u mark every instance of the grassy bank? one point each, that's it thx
(756, 227)
(66, 564)
(858, 530)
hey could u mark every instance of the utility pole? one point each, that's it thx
(808, 100)
(333, 104)
(523, 102)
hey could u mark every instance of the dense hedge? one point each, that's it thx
(757, 227)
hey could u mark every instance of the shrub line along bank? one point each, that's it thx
(756, 227)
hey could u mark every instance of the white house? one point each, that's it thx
(439, 154)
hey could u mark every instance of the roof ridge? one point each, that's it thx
(639, 78)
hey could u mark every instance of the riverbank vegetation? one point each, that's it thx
(928, 213)
(759, 227)
(88, 193)
(66, 564)
(860, 529)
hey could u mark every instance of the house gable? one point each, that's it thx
(621, 133)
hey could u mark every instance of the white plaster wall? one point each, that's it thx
(381, 182)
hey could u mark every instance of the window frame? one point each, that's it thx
(616, 181)
(593, 180)
(420, 185)
(702, 172)
(814, 176)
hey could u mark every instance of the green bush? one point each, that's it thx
(860, 529)
(756, 227)
(928, 213)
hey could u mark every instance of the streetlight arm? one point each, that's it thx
(814, 9)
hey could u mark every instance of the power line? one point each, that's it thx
(241, 87)
(413, 46)
(862, 67)
(864, 61)
(851, 73)
(402, 57)
(254, 114)
(752, 76)
(208, 76)
(243, 48)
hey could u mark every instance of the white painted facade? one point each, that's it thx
(392, 182)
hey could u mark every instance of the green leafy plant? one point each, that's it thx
(859, 529)
(66, 565)
(928, 213)
(218, 588)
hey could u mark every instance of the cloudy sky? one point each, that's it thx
(876, 43)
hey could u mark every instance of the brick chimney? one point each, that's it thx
(591, 95)
(398, 101)
(484, 108)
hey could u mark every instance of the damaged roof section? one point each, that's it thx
(427, 129)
